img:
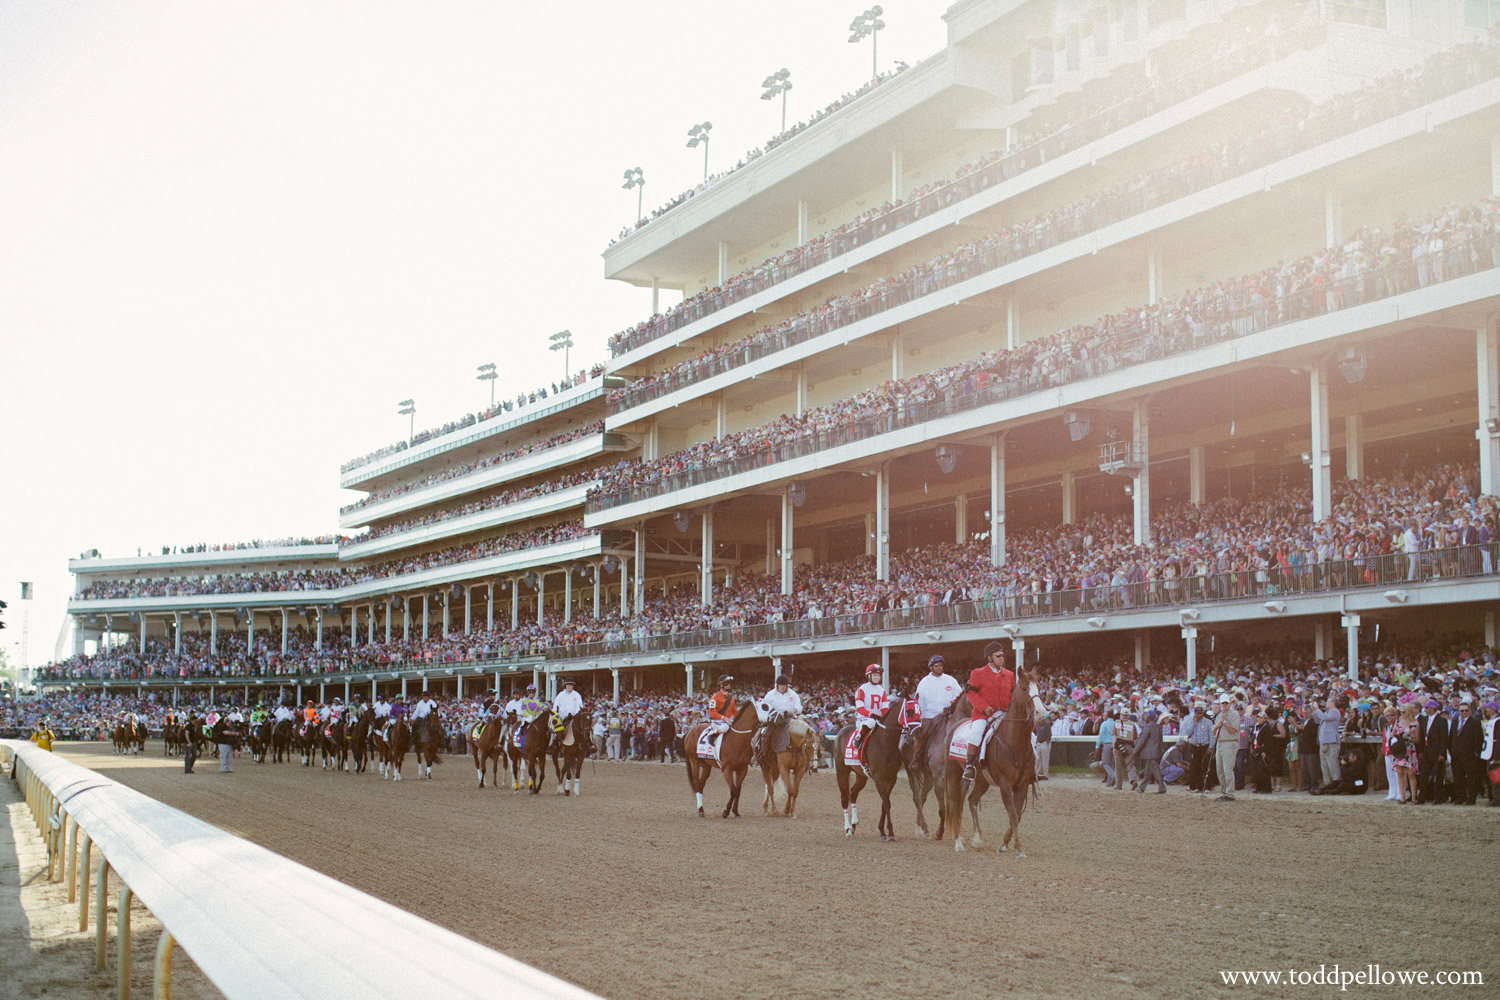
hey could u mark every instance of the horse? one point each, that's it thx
(534, 744)
(130, 737)
(307, 739)
(258, 739)
(514, 756)
(734, 757)
(1009, 763)
(924, 771)
(568, 752)
(882, 762)
(786, 766)
(397, 740)
(359, 739)
(281, 740)
(333, 740)
(428, 745)
(171, 738)
(485, 745)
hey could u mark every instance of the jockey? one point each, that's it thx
(282, 713)
(420, 710)
(870, 702)
(257, 715)
(490, 704)
(990, 688)
(721, 707)
(781, 705)
(309, 713)
(567, 704)
(530, 707)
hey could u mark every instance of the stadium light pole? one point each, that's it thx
(488, 374)
(867, 25)
(562, 341)
(778, 83)
(697, 134)
(408, 408)
(634, 178)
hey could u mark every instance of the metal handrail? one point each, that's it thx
(190, 874)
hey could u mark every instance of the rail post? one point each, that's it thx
(72, 859)
(83, 890)
(161, 979)
(101, 905)
(122, 939)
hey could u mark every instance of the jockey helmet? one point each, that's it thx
(993, 648)
(936, 658)
(531, 687)
(872, 670)
(724, 680)
(783, 680)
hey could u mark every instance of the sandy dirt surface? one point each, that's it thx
(42, 951)
(626, 892)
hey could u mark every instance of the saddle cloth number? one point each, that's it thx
(851, 749)
(519, 739)
(708, 745)
(476, 732)
(958, 747)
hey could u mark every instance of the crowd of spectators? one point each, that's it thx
(1289, 131)
(527, 538)
(501, 499)
(1373, 263)
(504, 406)
(756, 153)
(1240, 49)
(486, 462)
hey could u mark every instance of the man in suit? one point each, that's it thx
(1146, 756)
(1464, 744)
(1432, 751)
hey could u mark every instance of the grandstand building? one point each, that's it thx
(1087, 267)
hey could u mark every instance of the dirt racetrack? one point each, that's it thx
(626, 892)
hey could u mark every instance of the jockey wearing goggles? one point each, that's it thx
(870, 701)
(721, 707)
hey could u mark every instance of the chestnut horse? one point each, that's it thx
(926, 770)
(130, 737)
(568, 752)
(734, 757)
(787, 766)
(536, 740)
(428, 743)
(397, 741)
(515, 757)
(485, 739)
(882, 760)
(1009, 764)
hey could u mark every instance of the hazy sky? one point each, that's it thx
(232, 236)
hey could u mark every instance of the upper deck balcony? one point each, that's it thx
(470, 441)
(257, 558)
(555, 502)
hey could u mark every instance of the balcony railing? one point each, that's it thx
(1147, 340)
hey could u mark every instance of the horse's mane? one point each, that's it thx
(747, 706)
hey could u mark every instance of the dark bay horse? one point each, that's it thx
(281, 741)
(569, 751)
(882, 760)
(397, 742)
(1009, 763)
(333, 739)
(306, 738)
(485, 738)
(258, 739)
(428, 745)
(534, 744)
(926, 759)
(359, 739)
(734, 757)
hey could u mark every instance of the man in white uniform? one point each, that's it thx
(935, 693)
(420, 710)
(781, 705)
(567, 704)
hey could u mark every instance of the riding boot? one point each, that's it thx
(971, 767)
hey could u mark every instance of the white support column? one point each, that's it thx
(614, 676)
(721, 417)
(541, 599)
(142, 649)
(1197, 474)
(1488, 384)
(283, 631)
(177, 634)
(1489, 628)
(1154, 289)
(997, 501)
(898, 355)
(706, 567)
(598, 588)
(1069, 498)
(372, 622)
(1354, 447)
(801, 221)
(353, 626)
(515, 602)
(406, 619)
(869, 534)
(1190, 636)
(624, 587)
(1333, 218)
(1320, 641)
(567, 595)
(688, 669)
(655, 296)
(883, 521)
(1012, 322)
(723, 262)
(801, 391)
(468, 610)
(788, 539)
(651, 441)
(770, 545)
(1141, 495)
(213, 631)
(387, 621)
(639, 604)
(489, 610)
(1351, 644)
(1322, 487)
(1142, 651)
(249, 631)
(897, 187)
(426, 617)
(961, 518)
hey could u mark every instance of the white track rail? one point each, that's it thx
(261, 927)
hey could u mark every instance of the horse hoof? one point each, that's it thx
(1020, 855)
(848, 832)
(958, 847)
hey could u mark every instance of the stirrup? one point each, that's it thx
(971, 773)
